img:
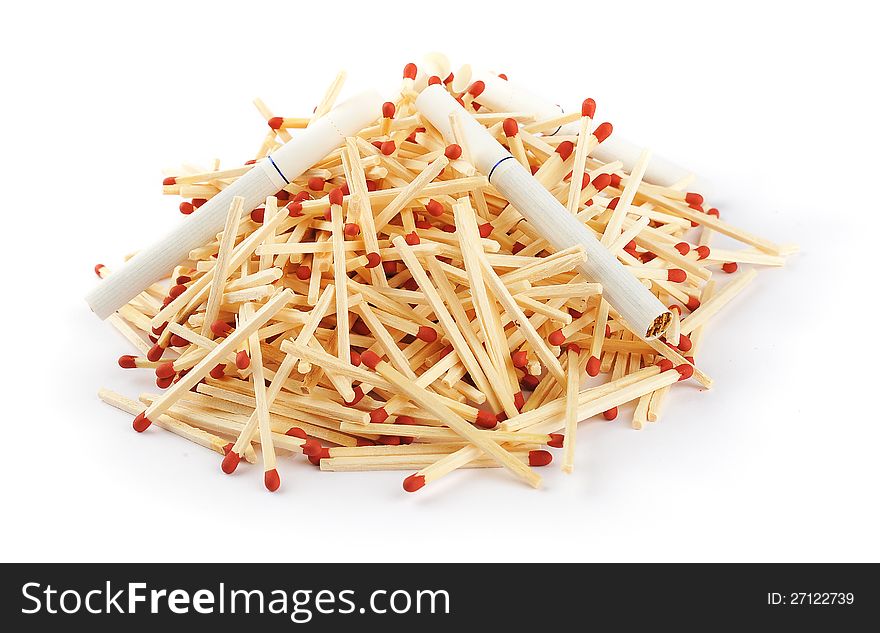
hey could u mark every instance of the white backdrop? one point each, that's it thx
(773, 103)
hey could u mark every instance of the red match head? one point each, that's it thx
(405, 419)
(556, 338)
(140, 423)
(387, 148)
(373, 260)
(703, 252)
(186, 207)
(165, 370)
(603, 131)
(683, 248)
(218, 372)
(295, 431)
(729, 267)
(413, 483)
(388, 110)
(99, 268)
(664, 364)
(410, 70)
(275, 122)
(593, 365)
(519, 400)
(412, 238)
(693, 303)
(685, 370)
(434, 208)
(351, 229)
(242, 360)
(271, 480)
(230, 462)
(676, 275)
(557, 440)
(295, 209)
(434, 80)
(453, 151)
(485, 229)
(486, 420)
(684, 343)
(354, 357)
(588, 108)
(520, 359)
(601, 181)
(476, 88)
(573, 347)
(693, 198)
(221, 328)
(564, 149)
(530, 382)
(427, 334)
(303, 272)
(371, 359)
(335, 196)
(316, 183)
(155, 353)
(540, 458)
(171, 180)
(610, 414)
(127, 362)
(510, 127)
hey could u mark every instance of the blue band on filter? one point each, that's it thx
(492, 171)
(278, 170)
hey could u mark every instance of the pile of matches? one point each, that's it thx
(385, 306)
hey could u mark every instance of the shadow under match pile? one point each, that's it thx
(452, 278)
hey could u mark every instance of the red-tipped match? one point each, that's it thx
(242, 360)
(387, 148)
(127, 362)
(311, 447)
(556, 338)
(572, 347)
(519, 400)
(140, 423)
(388, 440)
(684, 343)
(530, 382)
(358, 396)
(410, 70)
(388, 110)
(664, 364)
(540, 458)
(405, 419)
(354, 357)
(412, 238)
(693, 198)
(603, 131)
(601, 181)
(275, 122)
(610, 414)
(714, 211)
(176, 291)
(676, 275)
(303, 272)
(476, 88)
(517, 247)
(371, 359)
(335, 196)
(683, 248)
(614, 202)
(510, 127)
(485, 229)
(588, 108)
(177, 341)
(703, 252)
(685, 370)
(378, 416)
(362, 441)
(165, 370)
(283, 195)
(230, 462)
(486, 420)
(272, 480)
(520, 359)
(729, 267)
(171, 180)
(593, 365)
(328, 214)
(434, 80)
(434, 208)
(615, 181)
(564, 149)
(295, 209)
(316, 183)
(453, 151)
(390, 268)
(98, 268)
(413, 483)
(557, 440)
(164, 383)
(186, 208)
(693, 303)
(218, 372)
(373, 260)
(351, 229)
(424, 224)
(359, 327)
(258, 215)
(221, 328)
(155, 353)
(427, 334)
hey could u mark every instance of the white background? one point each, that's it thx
(773, 103)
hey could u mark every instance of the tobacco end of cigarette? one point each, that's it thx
(413, 483)
(141, 423)
(272, 480)
(230, 461)
(540, 457)
(659, 325)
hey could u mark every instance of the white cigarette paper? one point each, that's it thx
(505, 96)
(267, 177)
(640, 309)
